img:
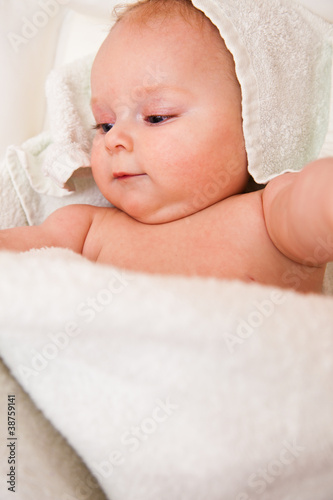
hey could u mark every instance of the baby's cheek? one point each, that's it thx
(95, 152)
(96, 163)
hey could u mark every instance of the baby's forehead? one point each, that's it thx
(163, 20)
(166, 50)
(152, 13)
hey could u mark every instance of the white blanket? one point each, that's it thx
(174, 388)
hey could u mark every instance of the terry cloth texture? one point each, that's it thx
(170, 388)
(283, 57)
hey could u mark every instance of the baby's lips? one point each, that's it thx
(120, 175)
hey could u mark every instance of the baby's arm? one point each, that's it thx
(298, 211)
(67, 227)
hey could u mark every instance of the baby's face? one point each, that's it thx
(169, 138)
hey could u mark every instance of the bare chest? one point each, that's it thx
(227, 241)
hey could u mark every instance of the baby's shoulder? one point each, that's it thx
(240, 238)
(240, 210)
(235, 229)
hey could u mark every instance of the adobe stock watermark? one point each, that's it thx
(85, 312)
(294, 278)
(31, 26)
(131, 440)
(262, 310)
(259, 481)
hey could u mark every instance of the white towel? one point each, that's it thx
(50, 159)
(53, 169)
(172, 388)
(283, 57)
(68, 98)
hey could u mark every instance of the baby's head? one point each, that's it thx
(167, 105)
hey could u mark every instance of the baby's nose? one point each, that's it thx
(119, 138)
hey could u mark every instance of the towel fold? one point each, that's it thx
(49, 163)
(27, 196)
(52, 169)
(71, 120)
(283, 58)
(173, 388)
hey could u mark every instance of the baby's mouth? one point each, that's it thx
(125, 175)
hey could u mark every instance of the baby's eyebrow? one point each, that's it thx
(162, 87)
(159, 92)
(150, 90)
(94, 102)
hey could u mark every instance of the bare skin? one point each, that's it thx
(238, 247)
(158, 146)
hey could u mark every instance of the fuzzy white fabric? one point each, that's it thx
(174, 388)
(59, 475)
(283, 58)
(52, 169)
(68, 97)
(27, 197)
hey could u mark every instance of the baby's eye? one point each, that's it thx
(104, 127)
(153, 119)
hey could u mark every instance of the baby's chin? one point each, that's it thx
(155, 218)
(163, 215)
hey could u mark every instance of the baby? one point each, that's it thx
(169, 154)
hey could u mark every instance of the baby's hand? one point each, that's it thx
(298, 210)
